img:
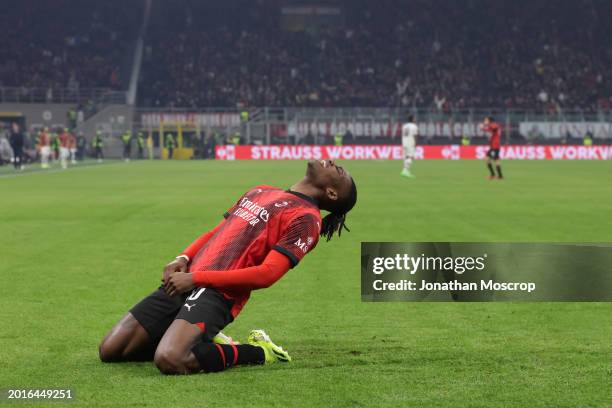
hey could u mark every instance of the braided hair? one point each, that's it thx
(335, 220)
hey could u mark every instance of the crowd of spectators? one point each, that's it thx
(522, 54)
(66, 44)
(441, 54)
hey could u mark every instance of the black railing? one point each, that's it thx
(61, 95)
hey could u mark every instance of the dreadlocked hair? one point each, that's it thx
(332, 223)
(335, 221)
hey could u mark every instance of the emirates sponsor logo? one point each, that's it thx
(251, 211)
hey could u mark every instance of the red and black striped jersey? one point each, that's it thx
(495, 130)
(264, 219)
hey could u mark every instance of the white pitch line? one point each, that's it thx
(60, 170)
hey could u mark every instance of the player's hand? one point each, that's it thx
(178, 265)
(178, 283)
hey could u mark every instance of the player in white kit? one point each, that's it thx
(410, 131)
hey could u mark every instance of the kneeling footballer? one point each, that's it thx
(266, 233)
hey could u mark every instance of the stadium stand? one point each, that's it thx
(525, 54)
(66, 44)
(530, 55)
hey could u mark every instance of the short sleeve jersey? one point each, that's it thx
(409, 133)
(495, 130)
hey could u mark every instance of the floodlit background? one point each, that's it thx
(205, 80)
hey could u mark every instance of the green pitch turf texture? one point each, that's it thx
(80, 247)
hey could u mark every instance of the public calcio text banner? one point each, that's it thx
(395, 152)
(484, 272)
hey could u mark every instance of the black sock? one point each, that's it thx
(499, 171)
(217, 357)
(490, 166)
(248, 354)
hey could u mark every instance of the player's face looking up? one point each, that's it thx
(333, 180)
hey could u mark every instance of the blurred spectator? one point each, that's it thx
(69, 44)
(438, 53)
(441, 54)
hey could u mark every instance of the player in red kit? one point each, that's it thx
(263, 235)
(72, 148)
(489, 125)
(64, 140)
(44, 146)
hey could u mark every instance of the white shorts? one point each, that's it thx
(64, 153)
(409, 147)
(45, 151)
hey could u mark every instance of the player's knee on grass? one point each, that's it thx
(110, 351)
(171, 362)
(113, 349)
(128, 340)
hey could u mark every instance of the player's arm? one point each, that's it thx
(274, 266)
(484, 127)
(487, 129)
(196, 245)
(182, 261)
(299, 238)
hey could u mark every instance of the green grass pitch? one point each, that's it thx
(79, 248)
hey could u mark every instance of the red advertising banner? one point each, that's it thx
(395, 152)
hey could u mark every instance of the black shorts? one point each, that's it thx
(203, 306)
(493, 154)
